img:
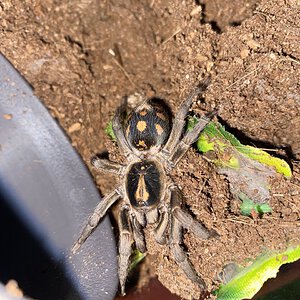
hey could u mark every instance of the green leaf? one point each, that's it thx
(263, 208)
(109, 131)
(225, 151)
(215, 138)
(249, 281)
(248, 206)
(265, 158)
(136, 258)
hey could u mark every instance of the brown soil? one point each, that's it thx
(83, 56)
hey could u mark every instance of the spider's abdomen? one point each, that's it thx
(143, 184)
(148, 125)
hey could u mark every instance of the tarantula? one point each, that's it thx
(152, 145)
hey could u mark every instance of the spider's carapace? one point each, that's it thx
(143, 184)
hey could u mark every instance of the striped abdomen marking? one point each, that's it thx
(143, 184)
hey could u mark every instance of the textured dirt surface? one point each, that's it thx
(83, 56)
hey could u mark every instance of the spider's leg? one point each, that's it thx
(138, 235)
(119, 132)
(95, 218)
(185, 219)
(188, 139)
(125, 241)
(161, 230)
(175, 240)
(179, 120)
(162, 227)
(180, 256)
(107, 165)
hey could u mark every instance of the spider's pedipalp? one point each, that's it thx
(95, 218)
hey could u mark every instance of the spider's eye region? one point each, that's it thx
(143, 184)
(148, 126)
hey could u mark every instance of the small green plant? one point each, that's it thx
(247, 168)
(215, 138)
(109, 131)
(250, 167)
(248, 206)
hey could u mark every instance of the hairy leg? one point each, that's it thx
(188, 139)
(119, 132)
(125, 242)
(181, 219)
(107, 165)
(179, 120)
(185, 219)
(162, 228)
(180, 256)
(95, 218)
(138, 235)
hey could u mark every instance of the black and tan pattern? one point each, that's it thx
(148, 126)
(153, 147)
(143, 184)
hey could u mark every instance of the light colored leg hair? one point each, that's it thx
(188, 139)
(192, 225)
(119, 132)
(107, 165)
(95, 218)
(185, 219)
(125, 242)
(138, 235)
(179, 120)
(162, 228)
(180, 256)
(181, 219)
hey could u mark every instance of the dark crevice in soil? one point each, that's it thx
(203, 21)
(73, 42)
(214, 26)
(235, 23)
(283, 152)
(290, 56)
(220, 23)
(102, 155)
